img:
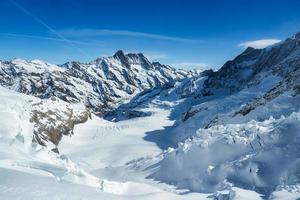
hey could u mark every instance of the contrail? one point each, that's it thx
(41, 22)
(103, 32)
(17, 35)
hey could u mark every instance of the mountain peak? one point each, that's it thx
(249, 49)
(297, 35)
(132, 58)
(120, 55)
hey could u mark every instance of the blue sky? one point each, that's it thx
(177, 32)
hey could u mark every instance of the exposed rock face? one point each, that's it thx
(247, 69)
(251, 68)
(101, 84)
(53, 118)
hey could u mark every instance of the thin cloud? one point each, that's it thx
(259, 44)
(107, 32)
(191, 65)
(43, 38)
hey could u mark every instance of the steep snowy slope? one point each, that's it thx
(243, 127)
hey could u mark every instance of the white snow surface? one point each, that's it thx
(237, 157)
(29, 171)
(127, 159)
(182, 146)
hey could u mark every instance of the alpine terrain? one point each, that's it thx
(123, 127)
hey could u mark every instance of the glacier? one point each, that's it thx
(123, 127)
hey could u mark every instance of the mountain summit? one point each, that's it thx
(101, 84)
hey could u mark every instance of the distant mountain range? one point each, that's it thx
(101, 84)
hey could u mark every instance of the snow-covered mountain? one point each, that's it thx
(101, 84)
(277, 65)
(125, 128)
(253, 65)
(242, 129)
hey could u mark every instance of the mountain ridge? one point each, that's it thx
(106, 81)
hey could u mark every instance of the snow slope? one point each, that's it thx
(118, 142)
(241, 131)
(31, 171)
